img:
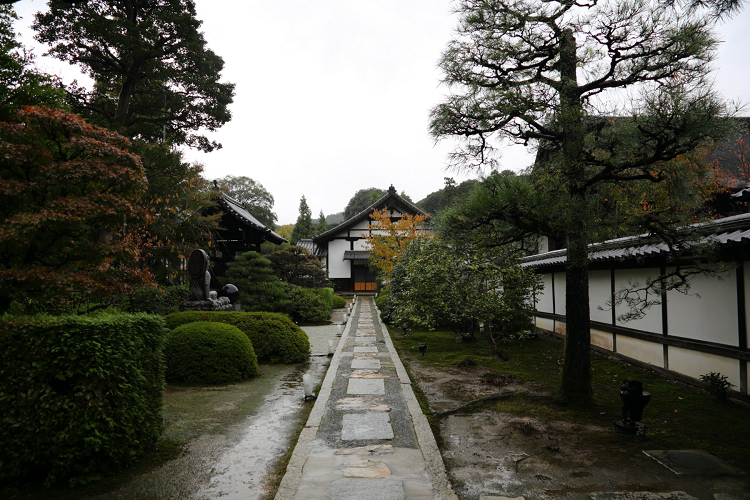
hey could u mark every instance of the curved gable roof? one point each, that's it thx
(238, 210)
(391, 199)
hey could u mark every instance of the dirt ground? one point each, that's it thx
(490, 454)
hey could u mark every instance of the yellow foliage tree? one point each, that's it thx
(389, 236)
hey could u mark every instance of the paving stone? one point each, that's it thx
(359, 426)
(366, 386)
(361, 404)
(366, 489)
(365, 468)
(367, 373)
(364, 340)
(366, 349)
(370, 449)
(367, 364)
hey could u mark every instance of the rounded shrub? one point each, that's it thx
(275, 338)
(338, 302)
(206, 352)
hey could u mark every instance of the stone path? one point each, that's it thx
(366, 437)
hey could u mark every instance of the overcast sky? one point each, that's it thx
(333, 96)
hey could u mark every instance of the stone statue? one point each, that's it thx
(200, 278)
(201, 298)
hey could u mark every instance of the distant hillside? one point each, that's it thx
(335, 218)
(436, 201)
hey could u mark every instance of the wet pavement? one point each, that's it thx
(366, 437)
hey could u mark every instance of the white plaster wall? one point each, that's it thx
(560, 293)
(545, 324)
(544, 297)
(600, 290)
(338, 267)
(712, 317)
(601, 339)
(361, 244)
(642, 350)
(626, 278)
(695, 364)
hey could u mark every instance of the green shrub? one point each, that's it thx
(327, 295)
(718, 385)
(206, 352)
(338, 302)
(156, 300)
(275, 337)
(80, 397)
(310, 306)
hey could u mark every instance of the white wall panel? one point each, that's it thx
(708, 312)
(629, 278)
(695, 364)
(642, 350)
(338, 267)
(544, 297)
(560, 293)
(601, 339)
(600, 291)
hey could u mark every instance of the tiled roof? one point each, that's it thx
(390, 199)
(356, 254)
(724, 231)
(238, 209)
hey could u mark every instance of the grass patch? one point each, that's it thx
(678, 417)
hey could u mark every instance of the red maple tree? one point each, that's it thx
(69, 222)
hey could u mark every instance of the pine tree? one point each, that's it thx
(304, 227)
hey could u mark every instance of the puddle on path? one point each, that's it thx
(239, 472)
(232, 463)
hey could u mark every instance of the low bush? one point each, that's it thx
(309, 305)
(80, 397)
(275, 337)
(206, 352)
(338, 302)
(156, 300)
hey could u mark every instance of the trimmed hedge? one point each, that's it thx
(338, 302)
(275, 337)
(209, 353)
(80, 397)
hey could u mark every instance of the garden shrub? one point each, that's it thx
(308, 305)
(338, 302)
(275, 337)
(80, 397)
(207, 352)
(157, 300)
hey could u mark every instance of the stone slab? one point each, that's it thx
(366, 349)
(359, 426)
(366, 489)
(691, 462)
(366, 386)
(366, 364)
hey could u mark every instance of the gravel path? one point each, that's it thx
(320, 335)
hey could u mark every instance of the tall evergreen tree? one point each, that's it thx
(21, 84)
(155, 79)
(322, 224)
(304, 227)
(537, 71)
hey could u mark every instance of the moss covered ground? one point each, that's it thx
(679, 416)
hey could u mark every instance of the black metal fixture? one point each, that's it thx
(634, 400)
(405, 327)
(422, 348)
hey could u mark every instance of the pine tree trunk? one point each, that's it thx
(576, 372)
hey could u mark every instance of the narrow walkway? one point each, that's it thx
(366, 437)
